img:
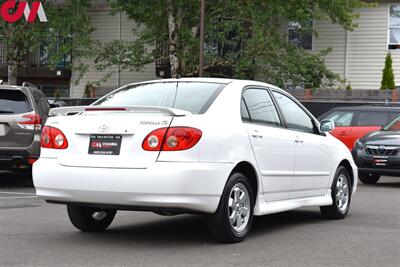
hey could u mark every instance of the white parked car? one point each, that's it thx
(229, 149)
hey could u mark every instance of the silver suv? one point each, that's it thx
(23, 112)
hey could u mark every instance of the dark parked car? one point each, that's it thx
(23, 113)
(377, 153)
(352, 123)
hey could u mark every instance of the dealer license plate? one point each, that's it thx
(105, 144)
(380, 161)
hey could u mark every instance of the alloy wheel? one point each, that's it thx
(342, 193)
(239, 207)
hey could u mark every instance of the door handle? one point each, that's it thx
(256, 134)
(298, 140)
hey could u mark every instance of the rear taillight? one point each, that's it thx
(172, 139)
(31, 121)
(53, 138)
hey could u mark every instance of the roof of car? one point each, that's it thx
(209, 80)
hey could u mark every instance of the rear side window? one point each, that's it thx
(260, 107)
(41, 103)
(369, 118)
(13, 102)
(195, 97)
(341, 118)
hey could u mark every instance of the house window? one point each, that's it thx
(394, 27)
(301, 35)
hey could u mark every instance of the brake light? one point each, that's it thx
(172, 139)
(33, 121)
(53, 138)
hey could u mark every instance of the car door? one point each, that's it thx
(313, 157)
(273, 146)
(343, 125)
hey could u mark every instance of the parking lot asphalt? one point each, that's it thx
(33, 233)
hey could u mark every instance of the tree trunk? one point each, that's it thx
(12, 73)
(173, 39)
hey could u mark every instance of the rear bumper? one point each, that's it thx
(195, 187)
(17, 158)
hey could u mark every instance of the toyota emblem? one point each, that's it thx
(104, 128)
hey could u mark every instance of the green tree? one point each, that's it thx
(66, 32)
(387, 74)
(244, 39)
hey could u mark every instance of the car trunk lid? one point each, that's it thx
(110, 138)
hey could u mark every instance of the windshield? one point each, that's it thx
(13, 102)
(195, 97)
(394, 125)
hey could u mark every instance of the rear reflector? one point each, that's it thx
(172, 139)
(31, 161)
(53, 138)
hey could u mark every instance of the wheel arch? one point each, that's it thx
(346, 164)
(247, 169)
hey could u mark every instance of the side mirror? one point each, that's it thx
(327, 126)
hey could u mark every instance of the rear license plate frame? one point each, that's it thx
(105, 145)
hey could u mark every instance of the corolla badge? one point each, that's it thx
(104, 128)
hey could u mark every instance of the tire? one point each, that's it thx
(341, 196)
(234, 230)
(368, 178)
(90, 219)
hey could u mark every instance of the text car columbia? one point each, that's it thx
(229, 149)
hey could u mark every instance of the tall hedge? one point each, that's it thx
(387, 75)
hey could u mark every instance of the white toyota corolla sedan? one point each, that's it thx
(228, 149)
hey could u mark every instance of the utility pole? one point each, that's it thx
(201, 57)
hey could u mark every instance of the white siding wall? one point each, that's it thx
(367, 48)
(331, 36)
(107, 29)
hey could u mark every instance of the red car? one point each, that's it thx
(352, 123)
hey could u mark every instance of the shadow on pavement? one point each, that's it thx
(192, 229)
(388, 184)
(11, 179)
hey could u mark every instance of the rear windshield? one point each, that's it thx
(195, 97)
(13, 102)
